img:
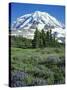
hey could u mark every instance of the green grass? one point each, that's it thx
(36, 62)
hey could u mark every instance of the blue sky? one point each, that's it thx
(19, 9)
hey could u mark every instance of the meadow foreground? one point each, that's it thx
(30, 67)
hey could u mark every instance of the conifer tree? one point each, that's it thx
(41, 44)
(35, 41)
(47, 38)
(50, 37)
(43, 37)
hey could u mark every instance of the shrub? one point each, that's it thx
(39, 81)
(53, 59)
(62, 60)
(57, 50)
(17, 79)
(28, 80)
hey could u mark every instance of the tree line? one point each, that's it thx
(41, 40)
(44, 39)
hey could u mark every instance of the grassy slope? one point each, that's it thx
(36, 62)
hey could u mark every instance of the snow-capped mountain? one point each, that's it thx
(27, 24)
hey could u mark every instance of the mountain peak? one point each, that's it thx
(40, 12)
(27, 24)
(35, 19)
(37, 11)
